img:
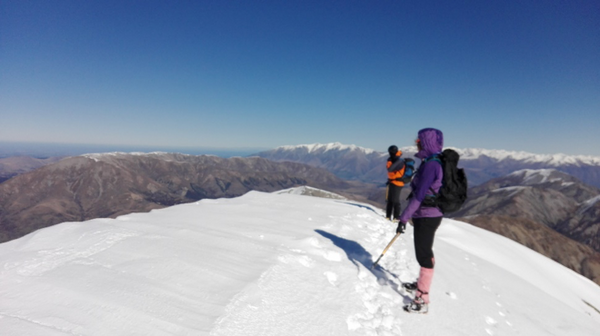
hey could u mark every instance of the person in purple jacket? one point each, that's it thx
(425, 219)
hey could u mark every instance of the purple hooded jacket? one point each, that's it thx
(428, 178)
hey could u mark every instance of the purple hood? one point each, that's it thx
(432, 142)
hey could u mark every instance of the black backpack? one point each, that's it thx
(453, 192)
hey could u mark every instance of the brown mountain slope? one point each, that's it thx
(576, 256)
(109, 185)
(546, 196)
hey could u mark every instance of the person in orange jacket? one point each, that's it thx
(395, 168)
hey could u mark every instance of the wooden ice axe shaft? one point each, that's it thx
(386, 248)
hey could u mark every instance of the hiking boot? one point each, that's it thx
(417, 306)
(409, 286)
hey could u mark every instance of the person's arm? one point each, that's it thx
(396, 166)
(426, 179)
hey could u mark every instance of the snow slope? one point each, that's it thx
(278, 264)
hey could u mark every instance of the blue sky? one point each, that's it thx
(514, 75)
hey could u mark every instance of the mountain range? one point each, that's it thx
(367, 165)
(547, 210)
(112, 184)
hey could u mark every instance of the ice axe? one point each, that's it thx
(386, 248)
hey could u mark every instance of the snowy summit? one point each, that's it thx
(279, 264)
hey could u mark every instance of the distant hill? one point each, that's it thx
(552, 198)
(108, 185)
(547, 210)
(13, 166)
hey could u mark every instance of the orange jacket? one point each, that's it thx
(394, 176)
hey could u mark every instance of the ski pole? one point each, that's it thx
(385, 250)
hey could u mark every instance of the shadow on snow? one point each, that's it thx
(358, 255)
(363, 206)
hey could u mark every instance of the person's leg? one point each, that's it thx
(394, 200)
(424, 234)
(397, 210)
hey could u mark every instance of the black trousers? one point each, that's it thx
(424, 232)
(393, 201)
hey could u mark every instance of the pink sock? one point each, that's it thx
(424, 283)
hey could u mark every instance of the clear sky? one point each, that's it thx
(514, 75)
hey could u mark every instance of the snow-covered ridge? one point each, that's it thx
(310, 191)
(550, 159)
(469, 154)
(327, 147)
(99, 156)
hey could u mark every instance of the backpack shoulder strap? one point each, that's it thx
(434, 157)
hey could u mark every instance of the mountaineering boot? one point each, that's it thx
(409, 286)
(417, 306)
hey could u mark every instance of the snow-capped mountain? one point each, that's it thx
(481, 165)
(346, 161)
(279, 264)
(552, 160)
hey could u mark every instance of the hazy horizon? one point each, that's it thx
(44, 150)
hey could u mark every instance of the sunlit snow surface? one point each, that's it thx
(279, 264)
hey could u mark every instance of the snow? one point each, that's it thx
(310, 191)
(512, 190)
(317, 147)
(107, 156)
(588, 204)
(530, 174)
(279, 264)
(553, 160)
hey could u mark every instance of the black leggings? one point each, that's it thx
(393, 201)
(424, 231)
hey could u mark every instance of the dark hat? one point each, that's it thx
(393, 150)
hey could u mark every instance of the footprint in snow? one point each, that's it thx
(332, 256)
(452, 295)
(490, 321)
(331, 277)
(314, 242)
(306, 261)
(303, 260)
